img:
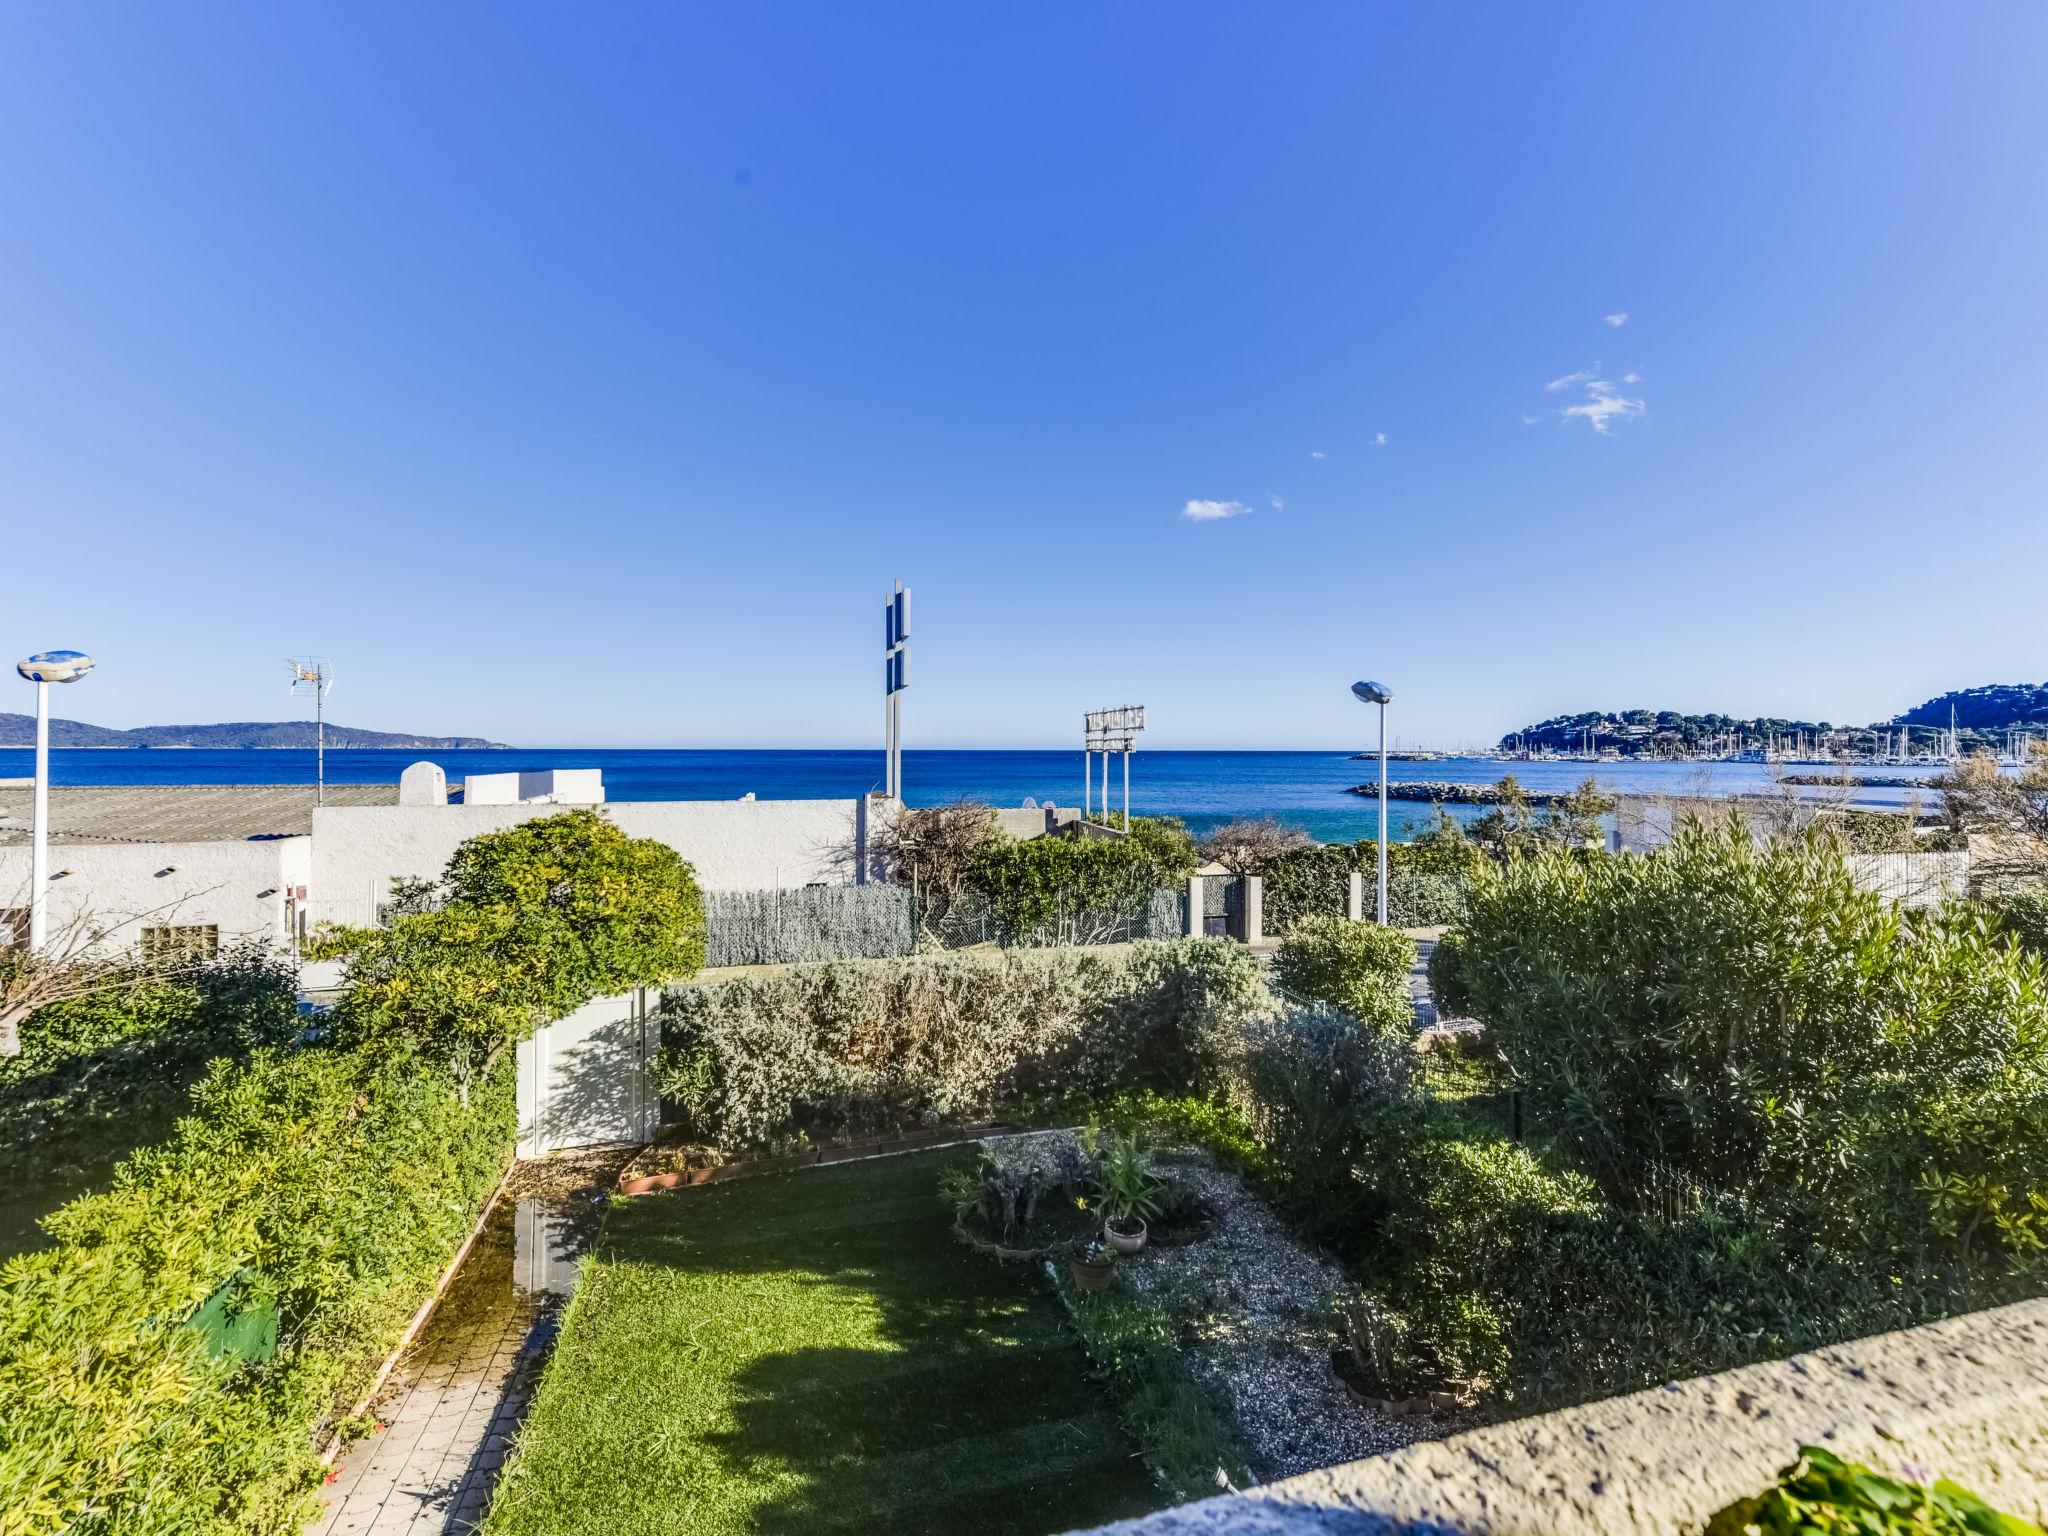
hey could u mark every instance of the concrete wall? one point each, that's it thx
(1022, 824)
(239, 886)
(735, 845)
(1965, 1399)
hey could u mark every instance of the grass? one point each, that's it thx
(812, 1353)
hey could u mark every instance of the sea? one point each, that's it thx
(1307, 789)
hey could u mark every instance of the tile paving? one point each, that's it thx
(452, 1406)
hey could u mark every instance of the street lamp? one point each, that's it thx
(1380, 694)
(43, 669)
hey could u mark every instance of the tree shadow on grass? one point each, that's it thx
(974, 1410)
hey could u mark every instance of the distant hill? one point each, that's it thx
(1649, 731)
(20, 731)
(1981, 716)
(1992, 707)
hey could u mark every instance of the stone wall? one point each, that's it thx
(1965, 1399)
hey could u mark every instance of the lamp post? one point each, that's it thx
(1378, 693)
(43, 669)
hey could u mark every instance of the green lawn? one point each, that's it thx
(812, 1353)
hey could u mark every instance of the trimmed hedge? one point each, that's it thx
(1316, 882)
(330, 1183)
(859, 1046)
(1359, 968)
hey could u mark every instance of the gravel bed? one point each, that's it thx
(1247, 1303)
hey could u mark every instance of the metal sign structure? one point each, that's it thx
(895, 678)
(1107, 731)
(312, 675)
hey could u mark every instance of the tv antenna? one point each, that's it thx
(312, 675)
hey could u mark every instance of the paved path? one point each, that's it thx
(453, 1404)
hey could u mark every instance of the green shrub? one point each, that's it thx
(1425, 883)
(872, 1045)
(1360, 968)
(1306, 1079)
(2024, 915)
(1742, 1015)
(334, 1182)
(1066, 890)
(101, 1074)
(1182, 1429)
(528, 924)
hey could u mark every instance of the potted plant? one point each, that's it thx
(1092, 1264)
(1128, 1189)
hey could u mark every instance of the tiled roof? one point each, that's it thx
(178, 813)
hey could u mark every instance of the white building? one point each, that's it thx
(197, 866)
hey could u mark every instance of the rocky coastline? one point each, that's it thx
(1437, 792)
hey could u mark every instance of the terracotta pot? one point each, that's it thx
(1092, 1275)
(1125, 1243)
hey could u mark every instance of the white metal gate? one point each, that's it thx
(587, 1080)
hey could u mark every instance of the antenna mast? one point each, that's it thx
(312, 675)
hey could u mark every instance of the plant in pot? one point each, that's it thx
(1128, 1190)
(1092, 1264)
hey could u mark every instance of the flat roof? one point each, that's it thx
(176, 813)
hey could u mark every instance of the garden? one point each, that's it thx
(1722, 1106)
(185, 1338)
(1164, 1220)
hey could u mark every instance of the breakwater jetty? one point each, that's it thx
(1858, 781)
(1437, 792)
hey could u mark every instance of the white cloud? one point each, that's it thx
(1273, 500)
(1530, 421)
(1581, 377)
(1379, 439)
(1631, 377)
(1617, 321)
(1213, 511)
(1315, 453)
(1603, 406)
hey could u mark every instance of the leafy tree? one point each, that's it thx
(529, 924)
(1441, 849)
(1739, 1013)
(1167, 842)
(1248, 845)
(1516, 828)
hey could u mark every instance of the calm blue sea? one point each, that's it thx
(1306, 788)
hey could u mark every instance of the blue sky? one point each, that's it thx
(584, 375)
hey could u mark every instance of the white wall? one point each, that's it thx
(238, 885)
(734, 845)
